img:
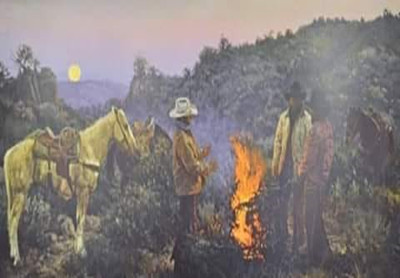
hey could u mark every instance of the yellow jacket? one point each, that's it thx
(299, 133)
(188, 167)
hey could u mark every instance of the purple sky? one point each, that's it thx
(104, 37)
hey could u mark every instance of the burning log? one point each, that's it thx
(250, 169)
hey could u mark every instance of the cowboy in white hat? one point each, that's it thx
(190, 168)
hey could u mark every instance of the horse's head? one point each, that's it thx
(122, 132)
(144, 132)
(352, 123)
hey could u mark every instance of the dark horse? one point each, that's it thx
(376, 139)
(120, 166)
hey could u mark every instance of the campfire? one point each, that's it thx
(247, 229)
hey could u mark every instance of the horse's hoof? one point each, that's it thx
(17, 261)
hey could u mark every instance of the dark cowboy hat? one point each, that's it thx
(295, 91)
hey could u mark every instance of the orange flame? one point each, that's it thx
(250, 168)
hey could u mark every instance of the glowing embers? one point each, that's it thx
(250, 168)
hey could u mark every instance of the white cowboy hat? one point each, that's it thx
(183, 108)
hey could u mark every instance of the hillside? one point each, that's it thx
(132, 217)
(357, 63)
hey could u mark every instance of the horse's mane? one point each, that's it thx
(34, 134)
(378, 118)
(381, 120)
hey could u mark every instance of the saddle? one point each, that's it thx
(61, 149)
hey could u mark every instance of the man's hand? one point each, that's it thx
(206, 151)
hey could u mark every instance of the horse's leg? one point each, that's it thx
(81, 209)
(17, 207)
(110, 162)
(18, 170)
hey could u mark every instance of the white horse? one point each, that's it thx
(21, 169)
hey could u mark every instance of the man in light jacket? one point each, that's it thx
(189, 167)
(291, 132)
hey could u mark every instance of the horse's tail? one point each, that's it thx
(8, 182)
(392, 146)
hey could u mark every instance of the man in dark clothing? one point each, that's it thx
(314, 172)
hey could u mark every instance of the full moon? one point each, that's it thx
(74, 73)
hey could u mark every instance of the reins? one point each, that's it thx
(122, 131)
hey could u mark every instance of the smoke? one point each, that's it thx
(210, 128)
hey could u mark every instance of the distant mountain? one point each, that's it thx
(91, 92)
